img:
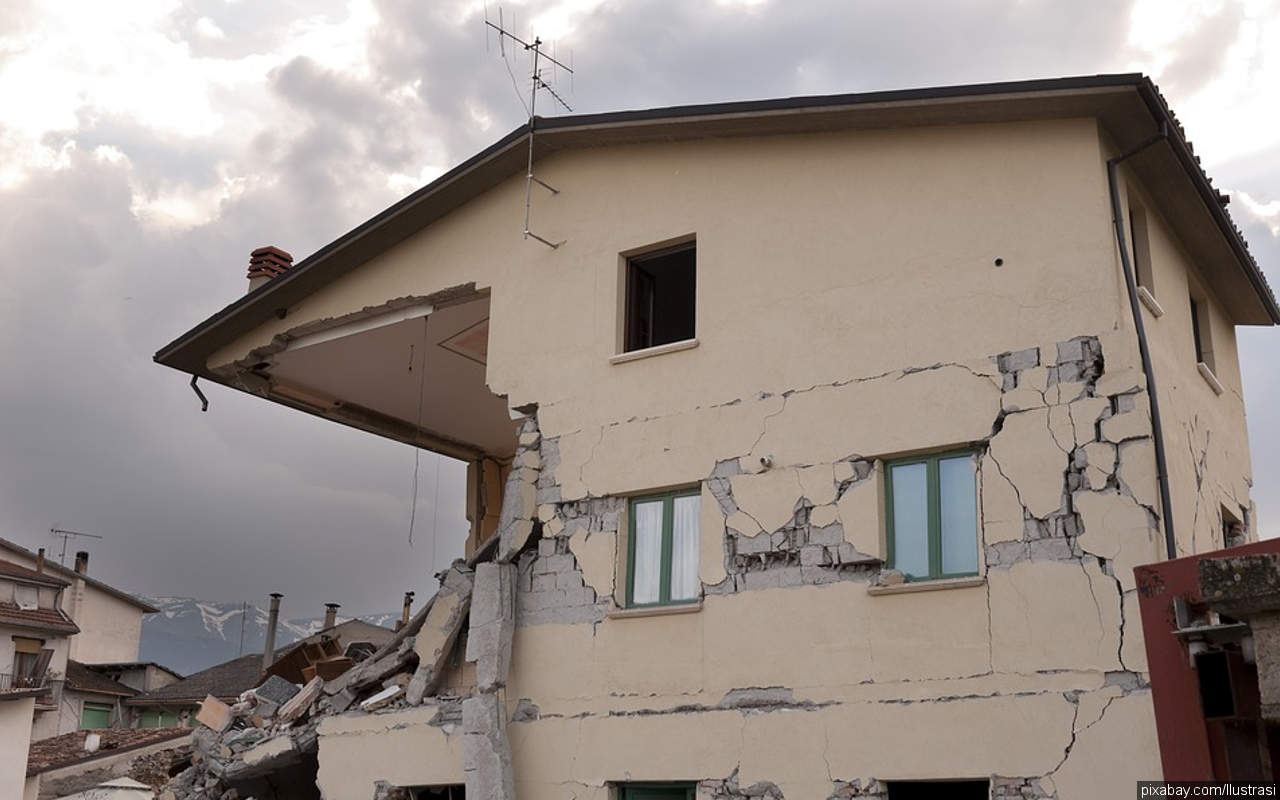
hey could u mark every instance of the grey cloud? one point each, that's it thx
(252, 497)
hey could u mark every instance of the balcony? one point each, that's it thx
(24, 684)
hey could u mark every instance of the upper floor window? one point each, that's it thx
(662, 549)
(659, 303)
(931, 508)
(1140, 240)
(1200, 331)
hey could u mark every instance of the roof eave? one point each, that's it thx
(186, 354)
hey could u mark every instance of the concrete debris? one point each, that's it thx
(382, 698)
(214, 714)
(440, 630)
(300, 702)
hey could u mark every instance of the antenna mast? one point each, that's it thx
(65, 534)
(534, 47)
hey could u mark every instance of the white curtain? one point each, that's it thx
(648, 552)
(684, 549)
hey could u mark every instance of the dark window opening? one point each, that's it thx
(457, 792)
(1200, 332)
(1141, 246)
(641, 791)
(1214, 675)
(1233, 532)
(660, 298)
(939, 790)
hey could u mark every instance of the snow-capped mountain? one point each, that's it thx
(189, 635)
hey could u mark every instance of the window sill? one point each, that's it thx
(1210, 378)
(1149, 300)
(662, 349)
(655, 611)
(928, 586)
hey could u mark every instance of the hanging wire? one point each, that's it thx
(417, 451)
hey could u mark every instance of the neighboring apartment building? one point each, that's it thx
(110, 620)
(821, 448)
(35, 637)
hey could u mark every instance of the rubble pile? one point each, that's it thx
(241, 751)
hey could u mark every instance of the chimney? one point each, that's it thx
(40, 560)
(266, 263)
(82, 562)
(404, 615)
(330, 615)
(273, 618)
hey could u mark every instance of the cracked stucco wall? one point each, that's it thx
(824, 346)
(1205, 434)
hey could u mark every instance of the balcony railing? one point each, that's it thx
(25, 683)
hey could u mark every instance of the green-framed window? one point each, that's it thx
(931, 508)
(95, 715)
(657, 791)
(662, 549)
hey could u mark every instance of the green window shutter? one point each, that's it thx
(662, 549)
(95, 715)
(931, 508)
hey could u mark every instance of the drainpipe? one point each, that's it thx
(1157, 432)
(273, 618)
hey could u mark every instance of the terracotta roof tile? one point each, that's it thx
(67, 749)
(12, 570)
(45, 619)
(83, 678)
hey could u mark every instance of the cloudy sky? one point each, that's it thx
(147, 146)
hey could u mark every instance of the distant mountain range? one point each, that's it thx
(189, 635)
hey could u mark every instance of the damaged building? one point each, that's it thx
(814, 459)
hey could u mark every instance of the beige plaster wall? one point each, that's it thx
(1206, 440)
(110, 628)
(848, 308)
(15, 732)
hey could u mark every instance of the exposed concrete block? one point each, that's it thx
(813, 555)
(1028, 456)
(1019, 360)
(486, 755)
(831, 534)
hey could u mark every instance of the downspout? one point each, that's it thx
(1157, 432)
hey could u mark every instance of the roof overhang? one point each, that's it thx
(1128, 106)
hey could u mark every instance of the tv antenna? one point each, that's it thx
(65, 534)
(535, 48)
